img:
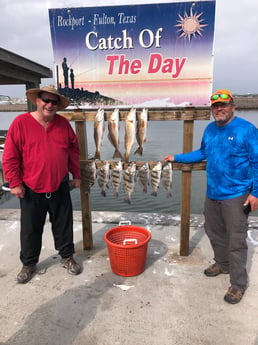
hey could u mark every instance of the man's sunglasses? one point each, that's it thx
(47, 100)
(221, 95)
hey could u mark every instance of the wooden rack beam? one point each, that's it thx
(175, 166)
(154, 114)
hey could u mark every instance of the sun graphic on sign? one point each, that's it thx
(190, 25)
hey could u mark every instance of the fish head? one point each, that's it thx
(145, 166)
(167, 166)
(132, 167)
(118, 165)
(157, 166)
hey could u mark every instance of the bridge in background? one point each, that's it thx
(15, 70)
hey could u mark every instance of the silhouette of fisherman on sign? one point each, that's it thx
(72, 78)
(65, 72)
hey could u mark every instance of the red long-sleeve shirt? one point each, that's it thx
(40, 157)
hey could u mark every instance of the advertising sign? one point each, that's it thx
(135, 55)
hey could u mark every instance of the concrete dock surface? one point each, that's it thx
(171, 303)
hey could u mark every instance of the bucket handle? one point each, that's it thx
(130, 240)
(124, 222)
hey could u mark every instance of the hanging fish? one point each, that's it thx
(130, 130)
(166, 177)
(144, 175)
(89, 174)
(103, 177)
(155, 178)
(116, 177)
(99, 127)
(141, 131)
(129, 181)
(113, 132)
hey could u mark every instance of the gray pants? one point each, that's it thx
(226, 226)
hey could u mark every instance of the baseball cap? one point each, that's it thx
(222, 96)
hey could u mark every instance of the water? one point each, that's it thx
(164, 137)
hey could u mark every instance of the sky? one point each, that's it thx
(25, 30)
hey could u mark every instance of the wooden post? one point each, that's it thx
(85, 193)
(186, 191)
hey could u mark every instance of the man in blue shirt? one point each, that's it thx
(230, 148)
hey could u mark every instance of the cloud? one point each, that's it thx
(25, 31)
(236, 46)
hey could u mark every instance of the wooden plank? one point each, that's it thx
(185, 213)
(175, 166)
(85, 193)
(186, 191)
(154, 114)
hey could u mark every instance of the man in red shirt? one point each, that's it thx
(41, 149)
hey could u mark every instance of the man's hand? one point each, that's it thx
(18, 191)
(253, 201)
(76, 183)
(169, 158)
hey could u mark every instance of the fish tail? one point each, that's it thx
(139, 151)
(127, 200)
(97, 155)
(144, 190)
(126, 157)
(103, 192)
(154, 193)
(116, 194)
(117, 154)
(169, 194)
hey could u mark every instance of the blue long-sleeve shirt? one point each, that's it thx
(231, 152)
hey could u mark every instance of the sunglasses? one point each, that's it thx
(47, 100)
(221, 95)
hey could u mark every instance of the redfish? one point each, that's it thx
(130, 130)
(99, 127)
(141, 131)
(113, 132)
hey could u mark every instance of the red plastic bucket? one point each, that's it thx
(127, 248)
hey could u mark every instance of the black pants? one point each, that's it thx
(34, 209)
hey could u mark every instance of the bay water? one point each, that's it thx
(163, 137)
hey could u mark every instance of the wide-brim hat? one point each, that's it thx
(222, 96)
(33, 94)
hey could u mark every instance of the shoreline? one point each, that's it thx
(242, 103)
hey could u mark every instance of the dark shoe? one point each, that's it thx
(214, 270)
(71, 265)
(26, 274)
(233, 295)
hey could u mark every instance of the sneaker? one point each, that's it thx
(6, 187)
(26, 274)
(71, 265)
(214, 270)
(233, 295)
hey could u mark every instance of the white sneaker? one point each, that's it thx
(6, 187)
